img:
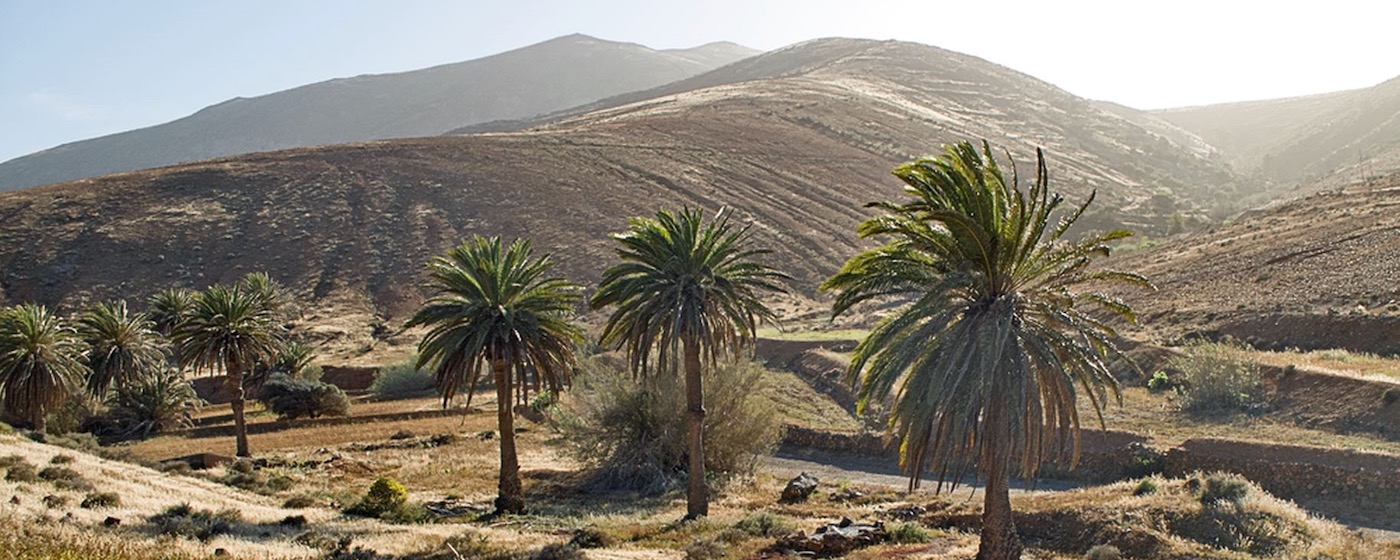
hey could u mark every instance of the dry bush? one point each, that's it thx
(185, 521)
(291, 398)
(1218, 378)
(24, 539)
(632, 430)
(402, 381)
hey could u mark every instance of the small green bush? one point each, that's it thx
(8, 460)
(61, 459)
(705, 549)
(402, 381)
(764, 525)
(291, 398)
(1145, 486)
(299, 501)
(185, 521)
(387, 499)
(910, 533)
(591, 537)
(1159, 382)
(101, 500)
(55, 501)
(1224, 488)
(1218, 377)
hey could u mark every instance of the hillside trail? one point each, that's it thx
(835, 468)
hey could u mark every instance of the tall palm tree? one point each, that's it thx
(41, 362)
(168, 307)
(689, 291)
(122, 347)
(996, 339)
(495, 307)
(228, 330)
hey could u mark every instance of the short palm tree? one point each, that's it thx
(168, 307)
(494, 307)
(995, 341)
(122, 347)
(689, 291)
(228, 330)
(41, 362)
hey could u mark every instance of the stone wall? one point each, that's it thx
(1293, 471)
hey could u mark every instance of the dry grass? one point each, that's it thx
(1340, 362)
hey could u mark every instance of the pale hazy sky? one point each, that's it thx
(71, 70)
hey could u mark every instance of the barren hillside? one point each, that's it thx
(1314, 272)
(348, 227)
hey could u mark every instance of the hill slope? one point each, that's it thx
(541, 78)
(1304, 140)
(1314, 272)
(798, 153)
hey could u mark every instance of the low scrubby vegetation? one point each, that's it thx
(631, 431)
(291, 398)
(402, 380)
(1218, 378)
(202, 524)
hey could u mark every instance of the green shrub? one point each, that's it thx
(591, 537)
(388, 499)
(61, 459)
(1145, 486)
(185, 521)
(764, 525)
(1220, 487)
(1218, 377)
(160, 403)
(9, 460)
(633, 433)
(100, 500)
(291, 398)
(1159, 382)
(55, 501)
(299, 501)
(402, 381)
(910, 533)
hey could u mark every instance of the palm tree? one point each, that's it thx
(122, 347)
(228, 330)
(495, 307)
(40, 362)
(690, 291)
(987, 355)
(168, 307)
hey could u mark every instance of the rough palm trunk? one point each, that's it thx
(999, 540)
(511, 498)
(36, 418)
(240, 427)
(697, 495)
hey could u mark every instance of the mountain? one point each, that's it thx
(1313, 272)
(796, 141)
(541, 78)
(1319, 141)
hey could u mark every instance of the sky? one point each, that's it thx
(71, 70)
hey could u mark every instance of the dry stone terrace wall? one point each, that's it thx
(1294, 472)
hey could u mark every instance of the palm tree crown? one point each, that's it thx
(493, 306)
(683, 278)
(995, 342)
(123, 347)
(168, 307)
(687, 290)
(226, 329)
(40, 362)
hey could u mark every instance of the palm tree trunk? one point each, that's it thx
(36, 418)
(512, 495)
(999, 540)
(240, 426)
(697, 495)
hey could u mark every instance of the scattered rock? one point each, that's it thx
(14, 500)
(833, 540)
(799, 489)
(486, 435)
(402, 434)
(293, 521)
(846, 495)
(111, 521)
(906, 513)
(220, 552)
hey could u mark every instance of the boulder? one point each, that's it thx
(833, 540)
(799, 489)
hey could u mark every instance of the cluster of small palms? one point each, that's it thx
(985, 359)
(136, 360)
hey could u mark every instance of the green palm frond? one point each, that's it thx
(40, 360)
(168, 307)
(123, 347)
(495, 303)
(679, 278)
(226, 330)
(999, 337)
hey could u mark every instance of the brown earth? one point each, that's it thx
(1313, 272)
